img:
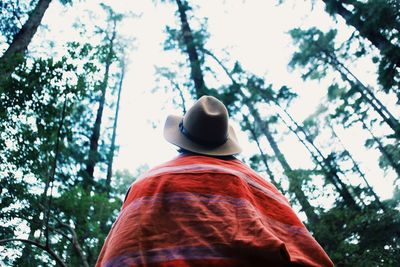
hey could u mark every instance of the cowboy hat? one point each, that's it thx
(204, 129)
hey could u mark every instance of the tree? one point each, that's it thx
(317, 52)
(263, 157)
(47, 113)
(37, 155)
(107, 57)
(188, 42)
(110, 157)
(378, 22)
(24, 36)
(352, 112)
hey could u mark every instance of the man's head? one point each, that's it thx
(204, 129)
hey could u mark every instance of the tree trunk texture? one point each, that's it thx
(195, 66)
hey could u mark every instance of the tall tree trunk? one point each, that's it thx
(23, 38)
(294, 185)
(95, 136)
(331, 171)
(357, 168)
(366, 94)
(93, 156)
(392, 162)
(195, 66)
(110, 157)
(35, 223)
(114, 133)
(264, 159)
(370, 33)
(47, 207)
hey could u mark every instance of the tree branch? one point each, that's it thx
(75, 242)
(37, 244)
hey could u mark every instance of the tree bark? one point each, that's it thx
(23, 38)
(195, 66)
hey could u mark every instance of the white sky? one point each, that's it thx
(255, 33)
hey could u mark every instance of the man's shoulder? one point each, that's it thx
(197, 160)
(190, 162)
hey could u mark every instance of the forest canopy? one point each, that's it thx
(312, 86)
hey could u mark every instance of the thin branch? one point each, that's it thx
(37, 244)
(75, 241)
(180, 95)
(53, 171)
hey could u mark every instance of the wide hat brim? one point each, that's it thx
(173, 135)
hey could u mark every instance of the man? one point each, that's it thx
(206, 208)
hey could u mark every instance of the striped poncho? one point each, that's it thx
(204, 211)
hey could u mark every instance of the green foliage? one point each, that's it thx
(101, 209)
(12, 14)
(367, 238)
(378, 21)
(316, 50)
(393, 149)
(45, 118)
(311, 127)
(175, 38)
(336, 92)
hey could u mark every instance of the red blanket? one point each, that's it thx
(203, 211)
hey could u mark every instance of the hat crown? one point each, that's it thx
(207, 120)
(204, 129)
